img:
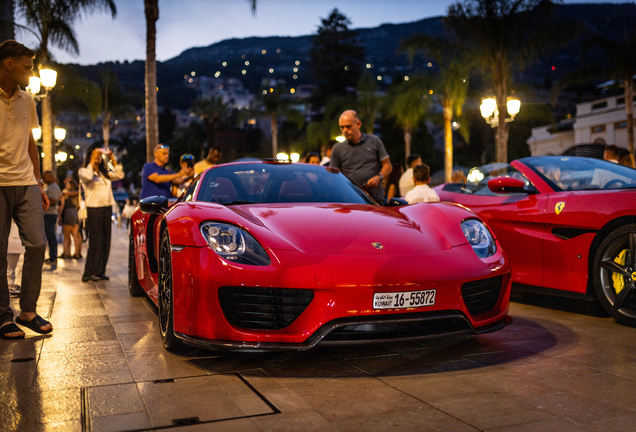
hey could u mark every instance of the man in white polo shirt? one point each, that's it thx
(21, 196)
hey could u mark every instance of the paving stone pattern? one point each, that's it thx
(561, 366)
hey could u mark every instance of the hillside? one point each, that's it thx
(380, 43)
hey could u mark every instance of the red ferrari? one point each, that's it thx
(271, 255)
(568, 225)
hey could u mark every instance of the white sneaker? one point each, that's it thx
(14, 290)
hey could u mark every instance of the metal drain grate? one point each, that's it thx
(166, 403)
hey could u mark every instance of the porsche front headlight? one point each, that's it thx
(479, 238)
(234, 244)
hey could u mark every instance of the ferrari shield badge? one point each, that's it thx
(377, 245)
(559, 207)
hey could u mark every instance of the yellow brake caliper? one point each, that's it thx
(618, 279)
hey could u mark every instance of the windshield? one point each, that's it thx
(564, 173)
(255, 183)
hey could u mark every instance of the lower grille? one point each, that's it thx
(397, 330)
(263, 308)
(481, 296)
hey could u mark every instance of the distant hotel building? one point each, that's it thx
(602, 121)
(229, 90)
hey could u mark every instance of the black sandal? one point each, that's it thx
(35, 324)
(10, 328)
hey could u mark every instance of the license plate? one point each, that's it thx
(405, 299)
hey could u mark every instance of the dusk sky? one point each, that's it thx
(185, 24)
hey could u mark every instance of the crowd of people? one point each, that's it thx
(35, 205)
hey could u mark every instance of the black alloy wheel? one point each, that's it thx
(614, 274)
(134, 287)
(166, 312)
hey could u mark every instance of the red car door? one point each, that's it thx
(517, 221)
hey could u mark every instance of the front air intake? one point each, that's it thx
(263, 308)
(481, 296)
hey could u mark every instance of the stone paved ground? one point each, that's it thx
(104, 369)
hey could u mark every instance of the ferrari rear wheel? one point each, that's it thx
(615, 274)
(166, 296)
(134, 287)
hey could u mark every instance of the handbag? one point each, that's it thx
(82, 213)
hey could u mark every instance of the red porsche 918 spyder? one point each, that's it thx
(271, 255)
(568, 225)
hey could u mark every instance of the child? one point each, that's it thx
(421, 192)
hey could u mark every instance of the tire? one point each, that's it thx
(134, 287)
(166, 296)
(614, 274)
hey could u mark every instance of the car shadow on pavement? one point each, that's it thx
(522, 340)
(578, 306)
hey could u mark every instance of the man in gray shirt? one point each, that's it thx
(362, 157)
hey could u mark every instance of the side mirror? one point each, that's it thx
(395, 202)
(154, 205)
(506, 185)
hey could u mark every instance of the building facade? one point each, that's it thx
(603, 121)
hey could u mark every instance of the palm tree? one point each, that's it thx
(52, 21)
(275, 105)
(408, 104)
(504, 33)
(112, 103)
(151, 9)
(451, 85)
(214, 114)
(369, 102)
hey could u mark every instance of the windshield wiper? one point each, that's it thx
(238, 202)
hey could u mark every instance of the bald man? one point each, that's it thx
(361, 157)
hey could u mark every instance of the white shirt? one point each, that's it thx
(406, 182)
(98, 191)
(17, 117)
(420, 194)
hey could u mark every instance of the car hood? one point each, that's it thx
(340, 229)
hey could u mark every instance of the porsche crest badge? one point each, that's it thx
(377, 245)
(558, 208)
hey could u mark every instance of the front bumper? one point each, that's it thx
(343, 289)
(448, 320)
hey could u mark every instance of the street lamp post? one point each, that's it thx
(490, 112)
(59, 134)
(47, 79)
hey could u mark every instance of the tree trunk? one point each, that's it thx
(106, 116)
(448, 140)
(629, 109)
(106, 128)
(274, 130)
(501, 95)
(408, 137)
(48, 142)
(152, 121)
